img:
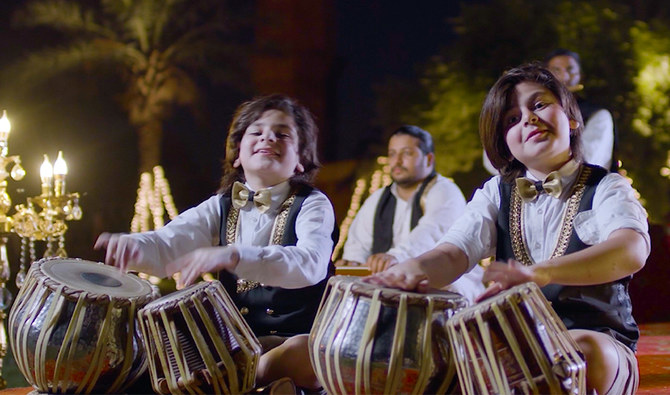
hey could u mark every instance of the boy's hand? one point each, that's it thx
(493, 289)
(203, 260)
(121, 249)
(400, 276)
(503, 276)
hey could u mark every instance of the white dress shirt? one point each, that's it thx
(297, 266)
(444, 202)
(614, 207)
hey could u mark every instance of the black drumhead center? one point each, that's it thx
(101, 279)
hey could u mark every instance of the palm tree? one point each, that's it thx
(160, 47)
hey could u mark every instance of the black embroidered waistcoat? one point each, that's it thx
(382, 231)
(603, 307)
(274, 310)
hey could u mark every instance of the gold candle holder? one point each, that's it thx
(56, 206)
(6, 221)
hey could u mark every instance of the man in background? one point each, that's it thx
(598, 138)
(409, 216)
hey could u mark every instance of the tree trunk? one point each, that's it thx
(149, 143)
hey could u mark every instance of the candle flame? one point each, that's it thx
(60, 166)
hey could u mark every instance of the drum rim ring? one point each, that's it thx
(73, 293)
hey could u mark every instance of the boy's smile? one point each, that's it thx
(269, 150)
(537, 129)
(537, 133)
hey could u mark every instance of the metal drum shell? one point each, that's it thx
(370, 339)
(198, 342)
(514, 342)
(71, 340)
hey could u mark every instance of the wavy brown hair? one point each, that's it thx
(498, 101)
(248, 113)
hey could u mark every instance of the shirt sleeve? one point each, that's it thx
(598, 139)
(358, 246)
(474, 232)
(444, 203)
(194, 228)
(615, 206)
(297, 266)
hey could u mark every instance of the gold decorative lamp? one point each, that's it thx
(48, 224)
(17, 173)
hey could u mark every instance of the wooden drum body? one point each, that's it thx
(370, 339)
(513, 343)
(73, 327)
(198, 342)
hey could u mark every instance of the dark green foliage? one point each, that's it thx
(625, 54)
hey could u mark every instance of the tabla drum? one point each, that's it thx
(73, 329)
(198, 342)
(514, 343)
(376, 340)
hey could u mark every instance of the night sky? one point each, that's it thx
(377, 40)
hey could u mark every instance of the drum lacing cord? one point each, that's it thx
(35, 293)
(156, 324)
(468, 350)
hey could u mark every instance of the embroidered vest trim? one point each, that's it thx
(276, 236)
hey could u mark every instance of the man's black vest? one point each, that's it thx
(604, 307)
(275, 310)
(382, 231)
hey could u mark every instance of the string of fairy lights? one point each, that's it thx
(153, 200)
(380, 177)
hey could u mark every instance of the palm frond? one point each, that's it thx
(39, 67)
(138, 25)
(188, 40)
(62, 15)
(120, 8)
(161, 22)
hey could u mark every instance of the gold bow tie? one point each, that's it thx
(242, 195)
(529, 189)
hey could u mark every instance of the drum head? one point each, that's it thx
(182, 294)
(95, 278)
(359, 287)
(363, 288)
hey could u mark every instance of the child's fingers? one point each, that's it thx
(491, 290)
(407, 282)
(102, 241)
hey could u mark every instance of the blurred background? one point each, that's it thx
(120, 86)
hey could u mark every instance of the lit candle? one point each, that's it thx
(5, 128)
(46, 174)
(59, 173)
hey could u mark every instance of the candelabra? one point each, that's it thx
(17, 173)
(42, 218)
(49, 224)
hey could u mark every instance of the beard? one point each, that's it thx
(404, 179)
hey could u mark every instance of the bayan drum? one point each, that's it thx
(371, 339)
(515, 343)
(198, 342)
(73, 327)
